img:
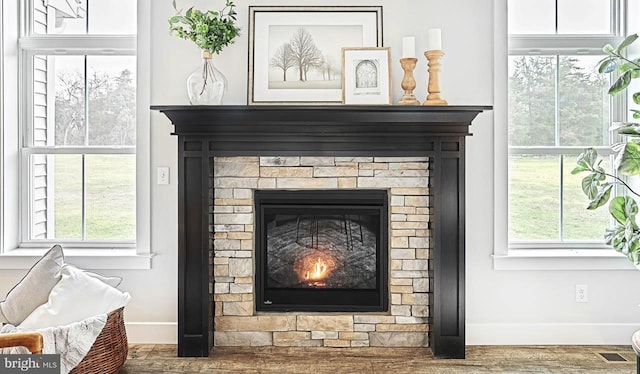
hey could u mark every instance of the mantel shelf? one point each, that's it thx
(382, 130)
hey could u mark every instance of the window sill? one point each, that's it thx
(90, 259)
(562, 259)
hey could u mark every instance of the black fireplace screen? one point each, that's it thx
(321, 250)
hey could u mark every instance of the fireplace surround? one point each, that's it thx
(340, 131)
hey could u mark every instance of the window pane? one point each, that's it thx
(112, 100)
(534, 197)
(573, 16)
(580, 223)
(583, 113)
(67, 195)
(584, 16)
(532, 103)
(56, 196)
(531, 17)
(110, 197)
(109, 87)
(68, 108)
(85, 17)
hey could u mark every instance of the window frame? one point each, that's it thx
(15, 245)
(544, 255)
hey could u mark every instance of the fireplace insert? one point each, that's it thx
(321, 250)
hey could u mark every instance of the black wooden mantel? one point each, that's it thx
(416, 131)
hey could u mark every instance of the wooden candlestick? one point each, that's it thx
(433, 89)
(408, 81)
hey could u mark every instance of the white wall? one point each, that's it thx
(529, 307)
(539, 302)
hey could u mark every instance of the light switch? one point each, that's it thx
(163, 175)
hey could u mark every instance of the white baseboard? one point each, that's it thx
(550, 333)
(152, 332)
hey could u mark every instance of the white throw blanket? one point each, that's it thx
(72, 342)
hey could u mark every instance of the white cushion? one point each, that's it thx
(75, 297)
(111, 281)
(33, 290)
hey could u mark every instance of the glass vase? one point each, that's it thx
(206, 85)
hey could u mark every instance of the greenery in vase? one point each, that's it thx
(211, 31)
(598, 184)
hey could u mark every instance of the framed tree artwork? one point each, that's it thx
(295, 51)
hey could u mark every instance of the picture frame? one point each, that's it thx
(295, 51)
(366, 76)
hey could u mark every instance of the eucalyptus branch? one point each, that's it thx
(210, 30)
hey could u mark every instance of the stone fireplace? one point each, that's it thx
(381, 201)
(228, 154)
(321, 250)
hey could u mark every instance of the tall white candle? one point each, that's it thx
(408, 46)
(434, 39)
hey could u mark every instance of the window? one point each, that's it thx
(78, 139)
(81, 137)
(557, 106)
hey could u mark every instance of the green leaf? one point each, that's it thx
(587, 158)
(614, 236)
(608, 65)
(628, 233)
(621, 83)
(590, 185)
(628, 160)
(578, 169)
(602, 197)
(180, 19)
(628, 66)
(617, 147)
(608, 48)
(630, 207)
(636, 97)
(627, 42)
(636, 113)
(623, 209)
(626, 128)
(616, 208)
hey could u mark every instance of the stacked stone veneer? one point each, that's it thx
(236, 322)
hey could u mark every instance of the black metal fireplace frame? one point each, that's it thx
(382, 131)
(322, 300)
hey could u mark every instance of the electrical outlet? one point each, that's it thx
(163, 175)
(582, 293)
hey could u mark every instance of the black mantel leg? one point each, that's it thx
(448, 329)
(194, 337)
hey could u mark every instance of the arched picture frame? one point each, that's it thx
(366, 76)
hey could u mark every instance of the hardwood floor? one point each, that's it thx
(157, 359)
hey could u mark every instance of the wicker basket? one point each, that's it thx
(109, 352)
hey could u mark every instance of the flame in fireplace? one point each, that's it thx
(314, 268)
(318, 271)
